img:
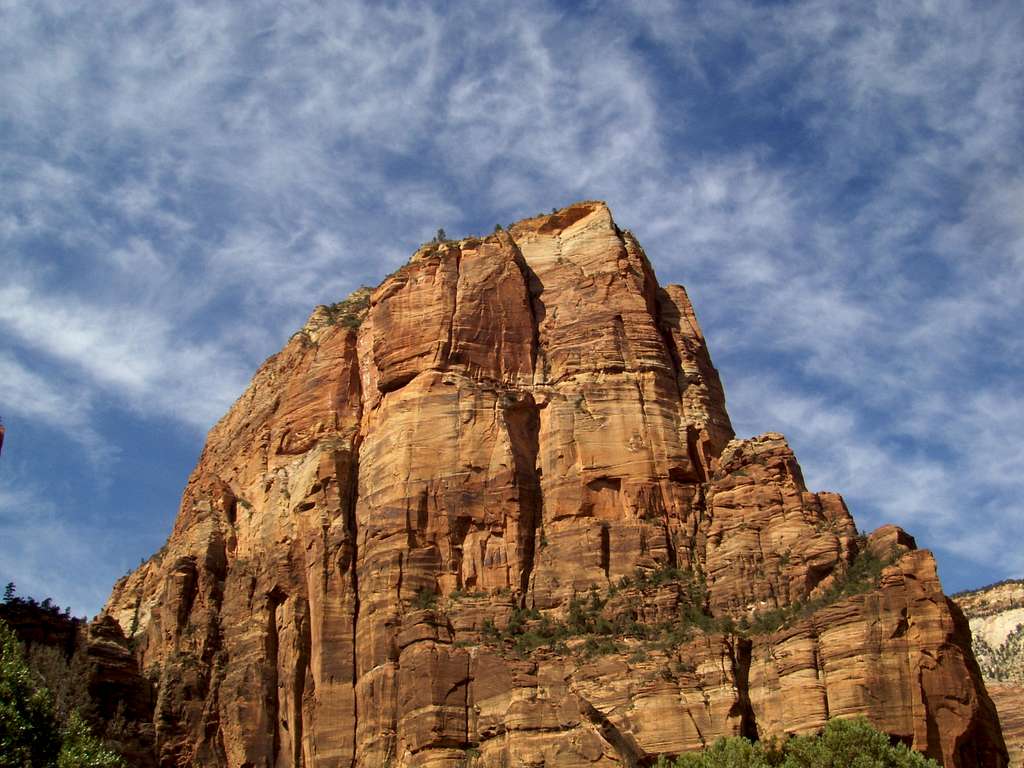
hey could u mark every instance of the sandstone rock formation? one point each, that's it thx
(493, 513)
(996, 617)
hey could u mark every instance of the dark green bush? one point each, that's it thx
(842, 744)
(425, 598)
(28, 729)
(81, 749)
(35, 734)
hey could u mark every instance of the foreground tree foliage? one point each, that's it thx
(82, 749)
(28, 733)
(842, 744)
(33, 733)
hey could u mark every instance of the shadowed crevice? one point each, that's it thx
(522, 418)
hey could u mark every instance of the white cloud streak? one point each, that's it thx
(183, 182)
(58, 406)
(123, 350)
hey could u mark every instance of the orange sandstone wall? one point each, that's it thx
(508, 424)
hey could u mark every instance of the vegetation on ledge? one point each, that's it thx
(603, 629)
(350, 311)
(863, 575)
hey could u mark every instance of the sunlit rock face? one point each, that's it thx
(493, 513)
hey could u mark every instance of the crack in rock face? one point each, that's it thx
(493, 513)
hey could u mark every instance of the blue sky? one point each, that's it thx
(840, 186)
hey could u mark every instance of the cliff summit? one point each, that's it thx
(493, 513)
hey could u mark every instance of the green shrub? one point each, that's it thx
(43, 705)
(490, 632)
(863, 575)
(29, 734)
(842, 744)
(351, 311)
(587, 616)
(81, 749)
(65, 680)
(736, 752)
(425, 598)
(854, 743)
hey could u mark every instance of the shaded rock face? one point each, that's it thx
(495, 516)
(996, 617)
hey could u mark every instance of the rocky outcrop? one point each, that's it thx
(90, 669)
(996, 616)
(493, 513)
(122, 698)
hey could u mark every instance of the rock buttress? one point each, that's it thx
(492, 513)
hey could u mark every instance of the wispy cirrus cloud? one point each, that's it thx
(839, 188)
(55, 404)
(124, 350)
(877, 305)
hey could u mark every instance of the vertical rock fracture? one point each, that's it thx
(493, 513)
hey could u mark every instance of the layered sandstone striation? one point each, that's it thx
(1009, 701)
(493, 513)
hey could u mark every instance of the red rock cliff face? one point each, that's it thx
(493, 514)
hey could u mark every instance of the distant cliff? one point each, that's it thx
(996, 616)
(492, 513)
